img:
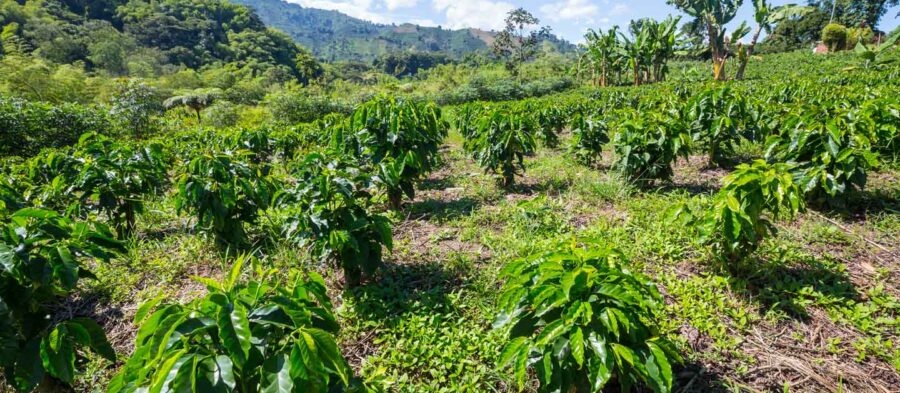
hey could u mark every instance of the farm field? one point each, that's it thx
(814, 308)
(646, 213)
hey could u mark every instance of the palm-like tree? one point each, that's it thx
(197, 100)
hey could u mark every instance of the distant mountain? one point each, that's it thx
(332, 35)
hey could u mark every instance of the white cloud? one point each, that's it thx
(619, 9)
(570, 10)
(483, 14)
(361, 9)
(395, 4)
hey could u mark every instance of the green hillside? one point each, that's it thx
(332, 35)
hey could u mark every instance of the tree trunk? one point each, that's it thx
(718, 55)
(743, 67)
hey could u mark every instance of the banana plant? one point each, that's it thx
(42, 256)
(604, 54)
(713, 15)
(874, 55)
(766, 16)
(581, 320)
(261, 335)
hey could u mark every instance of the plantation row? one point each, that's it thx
(578, 318)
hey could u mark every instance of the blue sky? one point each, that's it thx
(568, 18)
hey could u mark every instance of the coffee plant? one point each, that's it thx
(41, 263)
(740, 217)
(330, 213)
(500, 141)
(397, 136)
(646, 147)
(115, 177)
(715, 117)
(589, 134)
(256, 336)
(582, 321)
(224, 190)
(831, 161)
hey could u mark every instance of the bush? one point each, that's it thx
(27, 127)
(737, 222)
(831, 159)
(42, 254)
(581, 319)
(589, 136)
(329, 208)
(646, 147)
(835, 37)
(224, 189)
(499, 142)
(398, 140)
(223, 114)
(289, 108)
(258, 336)
(115, 177)
(716, 118)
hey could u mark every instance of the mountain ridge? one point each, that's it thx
(335, 36)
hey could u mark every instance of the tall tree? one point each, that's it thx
(517, 43)
(715, 14)
(855, 13)
(766, 16)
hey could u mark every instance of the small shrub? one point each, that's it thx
(499, 142)
(590, 134)
(646, 147)
(581, 320)
(224, 190)
(261, 335)
(329, 207)
(737, 223)
(42, 254)
(115, 178)
(831, 159)
(400, 138)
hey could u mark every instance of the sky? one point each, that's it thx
(568, 19)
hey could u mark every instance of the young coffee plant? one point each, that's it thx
(739, 219)
(41, 255)
(715, 117)
(388, 133)
(582, 321)
(257, 336)
(115, 177)
(224, 190)
(500, 141)
(589, 136)
(831, 161)
(330, 213)
(551, 120)
(646, 147)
